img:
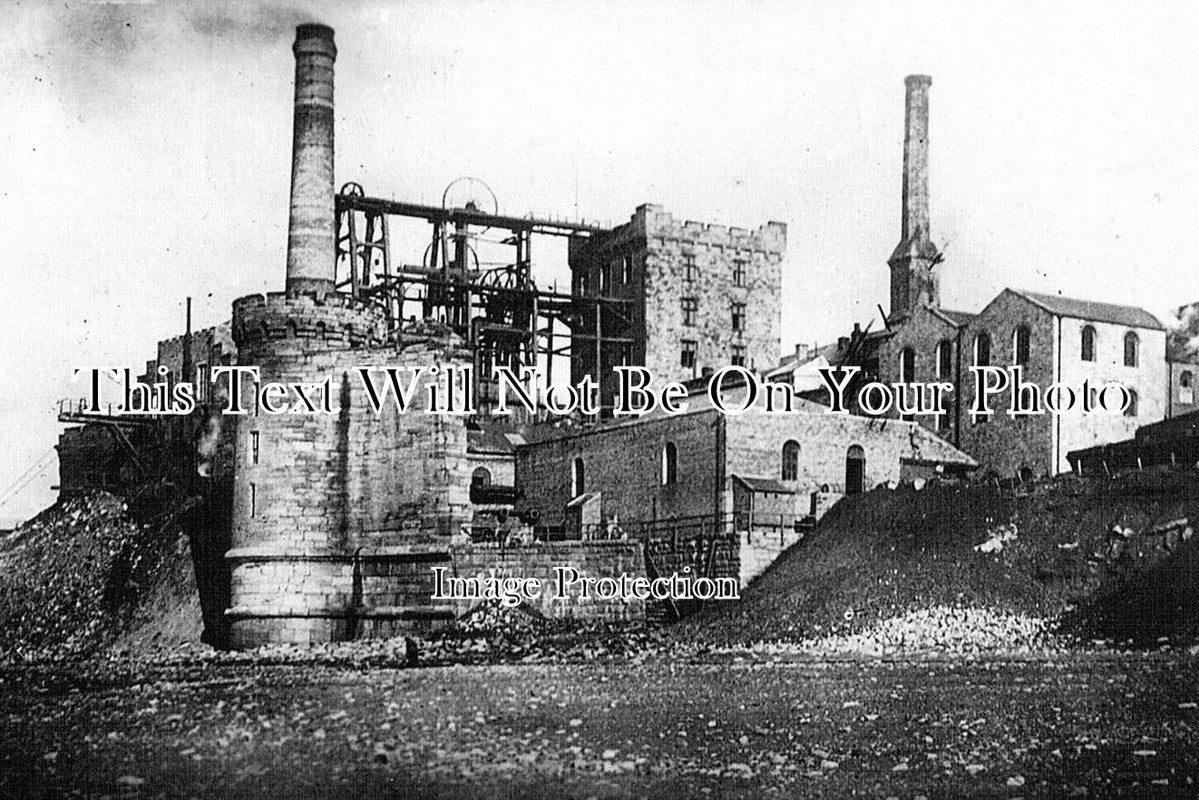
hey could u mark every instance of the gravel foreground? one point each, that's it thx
(732, 725)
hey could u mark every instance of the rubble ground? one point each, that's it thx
(968, 568)
(1085, 725)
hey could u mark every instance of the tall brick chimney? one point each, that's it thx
(914, 279)
(311, 230)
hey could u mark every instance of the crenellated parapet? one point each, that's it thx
(328, 322)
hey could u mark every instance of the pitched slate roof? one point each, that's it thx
(959, 318)
(1131, 316)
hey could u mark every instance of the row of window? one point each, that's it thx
(855, 467)
(1021, 344)
(691, 270)
(689, 349)
(622, 266)
(690, 306)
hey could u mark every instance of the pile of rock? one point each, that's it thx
(945, 630)
(72, 575)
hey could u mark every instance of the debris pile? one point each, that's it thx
(943, 629)
(964, 568)
(73, 579)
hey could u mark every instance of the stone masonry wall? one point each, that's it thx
(623, 462)
(591, 559)
(311, 490)
(1003, 443)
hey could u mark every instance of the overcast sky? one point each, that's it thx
(145, 151)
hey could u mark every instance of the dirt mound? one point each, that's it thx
(1066, 551)
(85, 575)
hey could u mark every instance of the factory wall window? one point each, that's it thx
(603, 280)
(1132, 346)
(982, 358)
(1088, 343)
(739, 272)
(254, 447)
(687, 354)
(907, 373)
(907, 365)
(670, 464)
(1186, 392)
(577, 478)
(855, 469)
(690, 271)
(1020, 345)
(582, 285)
(944, 358)
(202, 383)
(690, 306)
(738, 359)
(1133, 400)
(253, 500)
(626, 275)
(738, 316)
(982, 350)
(791, 460)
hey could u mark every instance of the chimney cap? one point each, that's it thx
(918, 80)
(313, 36)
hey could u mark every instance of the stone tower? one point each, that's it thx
(914, 279)
(336, 515)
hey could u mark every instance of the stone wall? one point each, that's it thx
(729, 266)
(1003, 443)
(311, 490)
(1149, 379)
(755, 444)
(623, 461)
(540, 560)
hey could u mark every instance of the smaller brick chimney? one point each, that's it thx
(311, 229)
(914, 280)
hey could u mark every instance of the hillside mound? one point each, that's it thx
(973, 566)
(86, 575)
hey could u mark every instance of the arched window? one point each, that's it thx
(1184, 380)
(1020, 343)
(791, 460)
(982, 358)
(907, 365)
(1133, 399)
(670, 464)
(1132, 344)
(1186, 391)
(944, 359)
(855, 469)
(1088, 343)
(577, 478)
(480, 477)
(982, 350)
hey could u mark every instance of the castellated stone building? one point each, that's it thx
(1054, 339)
(703, 296)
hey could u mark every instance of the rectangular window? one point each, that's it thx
(687, 354)
(603, 280)
(254, 447)
(738, 316)
(739, 272)
(738, 355)
(582, 284)
(690, 306)
(202, 383)
(627, 270)
(690, 271)
(253, 500)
